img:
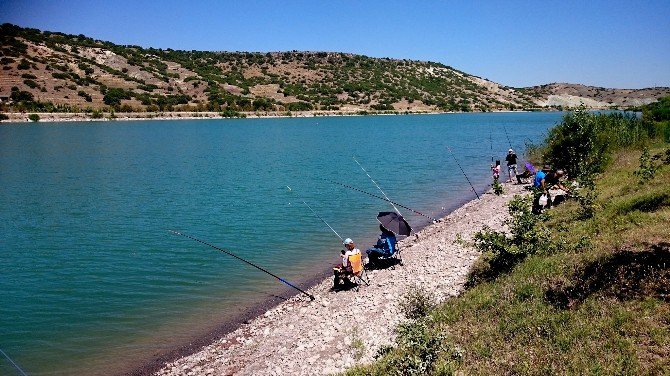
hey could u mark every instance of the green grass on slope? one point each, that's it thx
(598, 304)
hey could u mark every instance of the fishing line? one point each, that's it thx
(382, 198)
(318, 216)
(491, 140)
(311, 297)
(324, 221)
(377, 185)
(466, 176)
(14, 364)
(507, 135)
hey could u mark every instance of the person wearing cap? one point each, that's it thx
(538, 182)
(345, 267)
(511, 164)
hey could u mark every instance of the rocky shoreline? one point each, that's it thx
(50, 117)
(302, 337)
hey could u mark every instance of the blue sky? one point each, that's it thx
(623, 44)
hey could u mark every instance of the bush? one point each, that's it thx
(24, 64)
(659, 111)
(501, 252)
(299, 106)
(34, 117)
(22, 96)
(416, 303)
(497, 187)
(85, 95)
(31, 84)
(113, 96)
(583, 142)
(3, 117)
(418, 349)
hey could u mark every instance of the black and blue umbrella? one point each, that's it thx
(395, 223)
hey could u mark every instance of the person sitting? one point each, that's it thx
(343, 269)
(386, 246)
(530, 171)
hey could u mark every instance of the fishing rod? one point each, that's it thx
(311, 297)
(13, 363)
(318, 216)
(377, 185)
(382, 198)
(491, 140)
(466, 176)
(324, 221)
(507, 135)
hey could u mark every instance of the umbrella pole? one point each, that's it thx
(466, 176)
(311, 297)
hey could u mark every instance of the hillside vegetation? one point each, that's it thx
(582, 289)
(54, 72)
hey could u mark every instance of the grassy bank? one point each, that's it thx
(583, 289)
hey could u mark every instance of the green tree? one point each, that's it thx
(113, 96)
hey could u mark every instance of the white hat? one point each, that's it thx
(348, 241)
(510, 150)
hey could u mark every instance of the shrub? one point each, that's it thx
(583, 142)
(3, 117)
(113, 96)
(31, 84)
(22, 96)
(497, 187)
(34, 117)
(24, 64)
(501, 252)
(85, 95)
(658, 111)
(60, 76)
(416, 303)
(647, 168)
(418, 349)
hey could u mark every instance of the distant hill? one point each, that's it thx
(46, 71)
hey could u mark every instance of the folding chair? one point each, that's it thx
(390, 259)
(357, 274)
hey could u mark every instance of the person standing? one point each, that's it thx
(511, 164)
(495, 170)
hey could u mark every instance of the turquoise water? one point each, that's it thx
(93, 283)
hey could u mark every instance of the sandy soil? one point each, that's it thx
(303, 337)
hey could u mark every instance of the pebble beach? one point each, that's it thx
(303, 337)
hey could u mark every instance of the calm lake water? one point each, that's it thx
(93, 283)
